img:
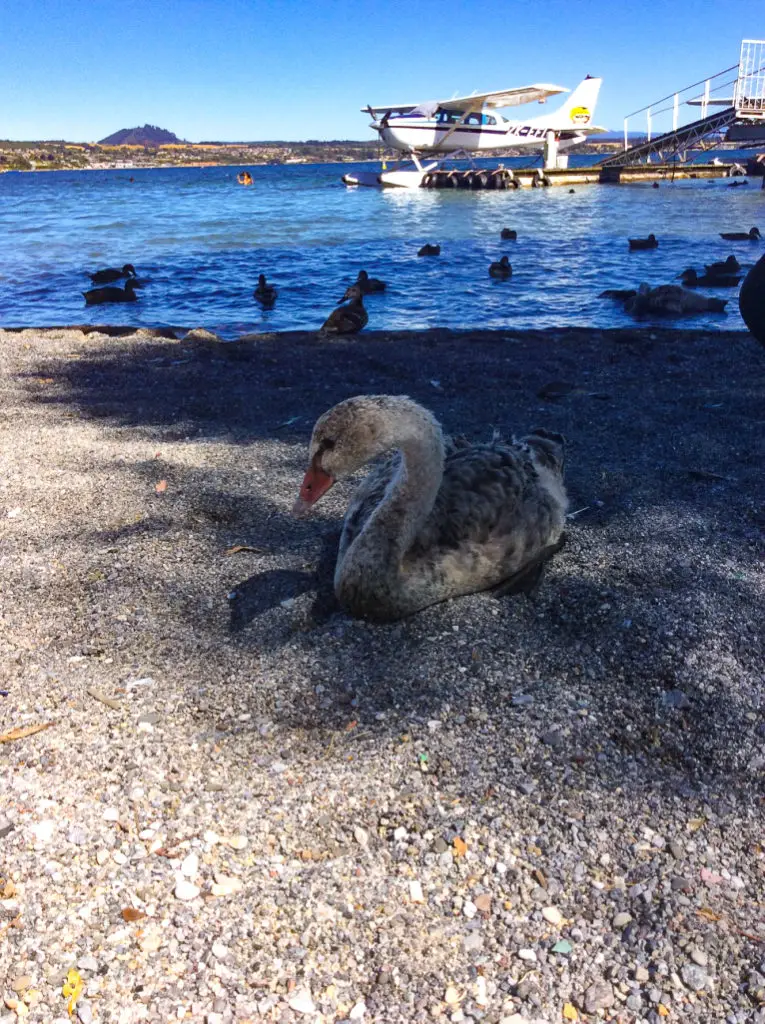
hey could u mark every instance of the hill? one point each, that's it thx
(149, 135)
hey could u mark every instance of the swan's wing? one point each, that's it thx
(496, 496)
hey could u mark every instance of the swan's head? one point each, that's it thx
(350, 434)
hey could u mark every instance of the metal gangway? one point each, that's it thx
(739, 90)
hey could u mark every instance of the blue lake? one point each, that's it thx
(202, 240)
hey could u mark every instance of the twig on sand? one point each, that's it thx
(109, 701)
(23, 731)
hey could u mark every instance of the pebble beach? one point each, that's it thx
(222, 800)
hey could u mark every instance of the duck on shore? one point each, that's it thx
(729, 266)
(97, 296)
(347, 319)
(265, 293)
(637, 244)
(501, 270)
(618, 294)
(435, 519)
(671, 300)
(508, 235)
(752, 235)
(430, 250)
(109, 274)
(751, 300)
(692, 280)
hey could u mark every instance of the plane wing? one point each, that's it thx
(500, 98)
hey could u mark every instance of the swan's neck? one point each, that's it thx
(370, 576)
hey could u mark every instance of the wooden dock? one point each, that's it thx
(502, 178)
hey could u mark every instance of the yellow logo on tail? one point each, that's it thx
(581, 115)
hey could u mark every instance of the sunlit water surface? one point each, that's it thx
(202, 240)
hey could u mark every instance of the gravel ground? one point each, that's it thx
(248, 807)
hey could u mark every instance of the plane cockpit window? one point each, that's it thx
(488, 119)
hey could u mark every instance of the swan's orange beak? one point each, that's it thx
(315, 483)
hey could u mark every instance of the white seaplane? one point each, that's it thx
(472, 124)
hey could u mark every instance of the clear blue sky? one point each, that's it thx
(296, 69)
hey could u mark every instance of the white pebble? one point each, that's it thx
(358, 1010)
(119, 857)
(301, 1002)
(527, 954)
(43, 830)
(400, 834)
(190, 865)
(225, 885)
(481, 996)
(111, 814)
(415, 892)
(211, 838)
(219, 950)
(361, 837)
(102, 856)
(185, 890)
(237, 842)
(469, 909)
(552, 914)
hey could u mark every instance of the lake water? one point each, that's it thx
(202, 240)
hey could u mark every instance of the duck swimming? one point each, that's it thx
(265, 293)
(619, 294)
(671, 300)
(347, 319)
(637, 244)
(729, 266)
(508, 235)
(752, 235)
(368, 284)
(110, 274)
(502, 269)
(96, 296)
(435, 519)
(692, 280)
(751, 300)
(430, 250)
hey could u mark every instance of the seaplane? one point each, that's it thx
(473, 125)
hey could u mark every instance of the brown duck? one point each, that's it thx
(347, 319)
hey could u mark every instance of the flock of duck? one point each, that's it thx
(351, 315)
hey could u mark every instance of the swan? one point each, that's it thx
(752, 235)
(501, 269)
(729, 266)
(508, 235)
(671, 300)
(265, 293)
(430, 250)
(96, 296)
(643, 243)
(751, 300)
(109, 274)
(436, 518)
(347, 319)
(710, 280)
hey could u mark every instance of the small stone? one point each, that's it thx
(481, 994)
(190, 865)
(634, 1002)
(301, 1002)
(483, 902)
(680, 883)
(676, 699)
(151, 940)
(416, 894)
(599, 996)
(527, 954)
(469, 909)
(219, 950)
(358, 1010)
(226, 885)
(362, 838)
(238, 842)
(185, 890)
(84, 1012)
(452, 995)
(400, 834)
(88, 963)
(211, 838)
(111, 814)
(699, 957)
(119, 857)
(694, 977)
(43, 830)
(622, 919)
(563, 946)
(22, 983)
(473, 942)
(553, 738)
(77, 836)
(641, 974)
(213, 1018)
(434, 725)
(552, 915)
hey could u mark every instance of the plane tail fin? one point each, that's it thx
(578, 111)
